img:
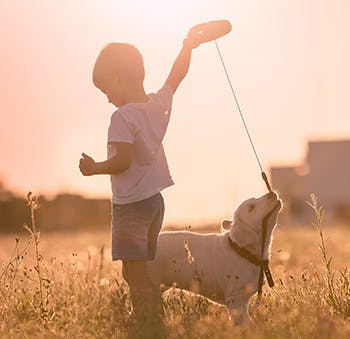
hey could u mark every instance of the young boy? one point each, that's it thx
(136, 160)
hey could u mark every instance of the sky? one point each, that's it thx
(288, 62)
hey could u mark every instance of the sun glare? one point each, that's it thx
(169, 9)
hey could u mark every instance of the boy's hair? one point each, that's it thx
(119, 59)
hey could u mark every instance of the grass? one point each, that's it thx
(61, 286)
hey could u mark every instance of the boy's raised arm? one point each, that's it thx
(183, 60)
(197, 35)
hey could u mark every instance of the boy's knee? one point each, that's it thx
(134, 271)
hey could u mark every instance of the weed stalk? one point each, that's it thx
(338, 295)
(34, 205)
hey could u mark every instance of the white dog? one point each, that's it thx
(208, 263)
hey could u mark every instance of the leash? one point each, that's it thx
(262, 268)
(264, 177)
(263, 263)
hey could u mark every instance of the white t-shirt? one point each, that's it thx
(143, 125)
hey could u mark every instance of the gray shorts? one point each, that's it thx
(135, 228)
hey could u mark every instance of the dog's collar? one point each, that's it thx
(244, 253)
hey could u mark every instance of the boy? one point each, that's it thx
(136, 160)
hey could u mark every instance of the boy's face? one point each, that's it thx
(114, 92)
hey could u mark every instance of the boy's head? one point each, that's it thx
(118, 67)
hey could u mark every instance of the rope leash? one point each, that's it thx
(264, 177)
(263, 269)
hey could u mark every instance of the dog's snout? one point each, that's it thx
(272, 195)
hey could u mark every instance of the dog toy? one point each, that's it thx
(209, 31)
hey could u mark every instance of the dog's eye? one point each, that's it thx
(251, 207)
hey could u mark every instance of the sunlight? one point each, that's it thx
(170, 9)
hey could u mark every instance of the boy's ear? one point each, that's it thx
(243, 234)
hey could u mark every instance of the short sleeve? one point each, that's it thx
(119, 129)
(165, 97)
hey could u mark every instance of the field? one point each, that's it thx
(67, 287)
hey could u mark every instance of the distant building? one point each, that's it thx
(326, 173)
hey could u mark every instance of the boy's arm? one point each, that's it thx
(183, 60)
(180, 67)
(197, 35)
(115, 165)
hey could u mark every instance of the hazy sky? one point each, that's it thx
(288, 61)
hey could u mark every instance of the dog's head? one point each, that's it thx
(246, 226)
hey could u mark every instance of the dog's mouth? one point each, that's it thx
(277, 207)
(277, 202)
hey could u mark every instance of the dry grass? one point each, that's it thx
(65, 286)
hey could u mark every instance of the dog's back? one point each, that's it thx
(188, 258)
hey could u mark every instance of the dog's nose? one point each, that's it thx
(272, 195)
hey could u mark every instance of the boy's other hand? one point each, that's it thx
(87, 165)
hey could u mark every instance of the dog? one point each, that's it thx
(208, 265)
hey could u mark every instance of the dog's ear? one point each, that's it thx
(243, 234)
(225, 225)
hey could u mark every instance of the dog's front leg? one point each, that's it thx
(238, 311)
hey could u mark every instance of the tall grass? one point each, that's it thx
(80, 297)
(338, 282)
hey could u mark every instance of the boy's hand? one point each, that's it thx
(197, 35)
(87, 165)
(206, 32)
(194, 36)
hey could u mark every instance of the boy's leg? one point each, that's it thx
(135, 229)
(145, 297)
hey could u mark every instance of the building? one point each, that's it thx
(325, 173)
